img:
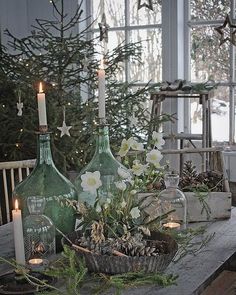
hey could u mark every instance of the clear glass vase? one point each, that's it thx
(173, 204)
(47, 182)
(104, 162)
(39, 231)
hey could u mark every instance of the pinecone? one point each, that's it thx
(189, 175)
(212, 179)
(97, 232)
(144, 248)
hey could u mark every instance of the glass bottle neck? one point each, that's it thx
(44, 155)
(103, 143)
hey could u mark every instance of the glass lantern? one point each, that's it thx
(104, 162)
(39, 232)
(47, 182)
(173, 204)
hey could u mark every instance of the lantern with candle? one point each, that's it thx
(173, 204)
(103, 159)
(46, 182)
(39, 232)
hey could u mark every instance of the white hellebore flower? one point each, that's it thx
(157, 137)
(125, 147)
(121, 185)
(91, 181)
(135, 212)
(123, 173)
(154, 157)
(138, 168)
(136, 146)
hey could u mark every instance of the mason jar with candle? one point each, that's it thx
(39, 233)
(173, 204)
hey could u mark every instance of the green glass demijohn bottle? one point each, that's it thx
(104, 162)
(47, 182)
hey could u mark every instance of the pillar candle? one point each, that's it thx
(41, 106)
(101, 91)
(18, 235)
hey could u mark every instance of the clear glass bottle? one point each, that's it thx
(47, 182)
(104, 162)
(39, 231)
(173, 204)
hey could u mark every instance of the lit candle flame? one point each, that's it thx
(16, 205)
(40, 87)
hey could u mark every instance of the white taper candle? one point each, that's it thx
(18, 235)
(42, 106)
(101, 92)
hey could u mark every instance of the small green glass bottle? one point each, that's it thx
(47, 182)
(104, 162)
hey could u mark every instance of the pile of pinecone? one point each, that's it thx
(130, 246)
(191, 180)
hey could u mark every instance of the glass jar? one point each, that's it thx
(104, 162)
(173, 204)
(47, 182)
(39, 231)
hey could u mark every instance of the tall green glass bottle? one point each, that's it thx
(104, 162)
(47, 182)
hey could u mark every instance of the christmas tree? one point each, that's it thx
(66, 60)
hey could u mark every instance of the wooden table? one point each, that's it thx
(195, 272)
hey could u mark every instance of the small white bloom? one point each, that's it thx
(135, 212)
(123, 204)
(154, 157)
(91, 181)
(138, 168)
(98, 208)
(157, 137)
(133, 192)
(125, 147)
(123, 173)
(121, 185)
(136, 146)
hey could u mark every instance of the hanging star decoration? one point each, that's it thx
(148, 5)
(19, 105)
(226, 32)
(64, 129)
(103, 28)
(85, 63)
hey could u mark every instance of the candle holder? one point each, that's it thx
(43, 129)
(39, 234)
(14, 283)
(173, 205)
(104, 162)
(46, 182)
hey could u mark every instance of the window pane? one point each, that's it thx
(114, 10)
(145, 16)
(219, 115)
(208, 59)
(150, 69)
(209, 10)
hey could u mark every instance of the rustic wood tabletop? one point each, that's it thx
(195, 271)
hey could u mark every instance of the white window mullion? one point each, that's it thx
(232, 80)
